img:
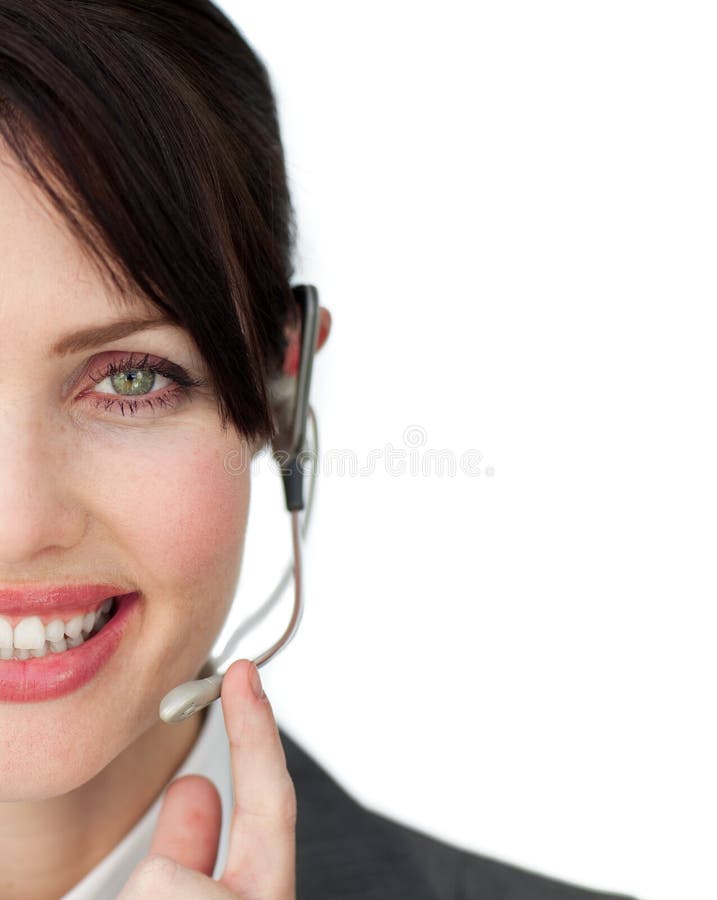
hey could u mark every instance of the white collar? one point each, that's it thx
(210, 757)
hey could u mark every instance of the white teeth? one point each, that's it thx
(30, 638)
(74, 627)
(29, 634)
(55, 630)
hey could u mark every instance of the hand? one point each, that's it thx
(261, 855)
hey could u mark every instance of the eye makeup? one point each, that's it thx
(132, 368)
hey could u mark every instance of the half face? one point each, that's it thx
(112, 475)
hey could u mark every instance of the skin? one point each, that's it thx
(88, 495)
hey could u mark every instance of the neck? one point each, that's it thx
(61, 839)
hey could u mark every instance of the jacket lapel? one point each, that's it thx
(342, 849)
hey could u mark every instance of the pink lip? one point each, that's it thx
(36, 600)
(55, 674)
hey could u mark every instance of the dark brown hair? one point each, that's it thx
(152, 127)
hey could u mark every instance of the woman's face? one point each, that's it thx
(94, 489)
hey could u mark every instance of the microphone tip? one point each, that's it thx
(188, 698)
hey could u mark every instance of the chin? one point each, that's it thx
(50, 764)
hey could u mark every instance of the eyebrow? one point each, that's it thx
(97, 335)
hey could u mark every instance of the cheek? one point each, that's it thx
(179, 522)
(193, 519)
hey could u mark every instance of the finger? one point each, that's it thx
(162, 878)
(189, 823)
(261, 852)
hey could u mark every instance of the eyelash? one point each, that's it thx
(183, 384)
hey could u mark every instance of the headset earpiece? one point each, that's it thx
(290, 400)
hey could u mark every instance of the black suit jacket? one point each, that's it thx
(346, 852)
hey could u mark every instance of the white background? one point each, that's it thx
(511, 211)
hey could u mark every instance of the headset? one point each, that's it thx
(290, 404)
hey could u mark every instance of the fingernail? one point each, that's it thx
(256, 682)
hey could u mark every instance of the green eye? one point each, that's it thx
(123, 385)
(133, 382)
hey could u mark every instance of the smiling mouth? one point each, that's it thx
(31, 638)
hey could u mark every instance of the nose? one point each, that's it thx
(37, 511)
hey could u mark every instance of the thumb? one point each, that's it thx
(189, 824)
